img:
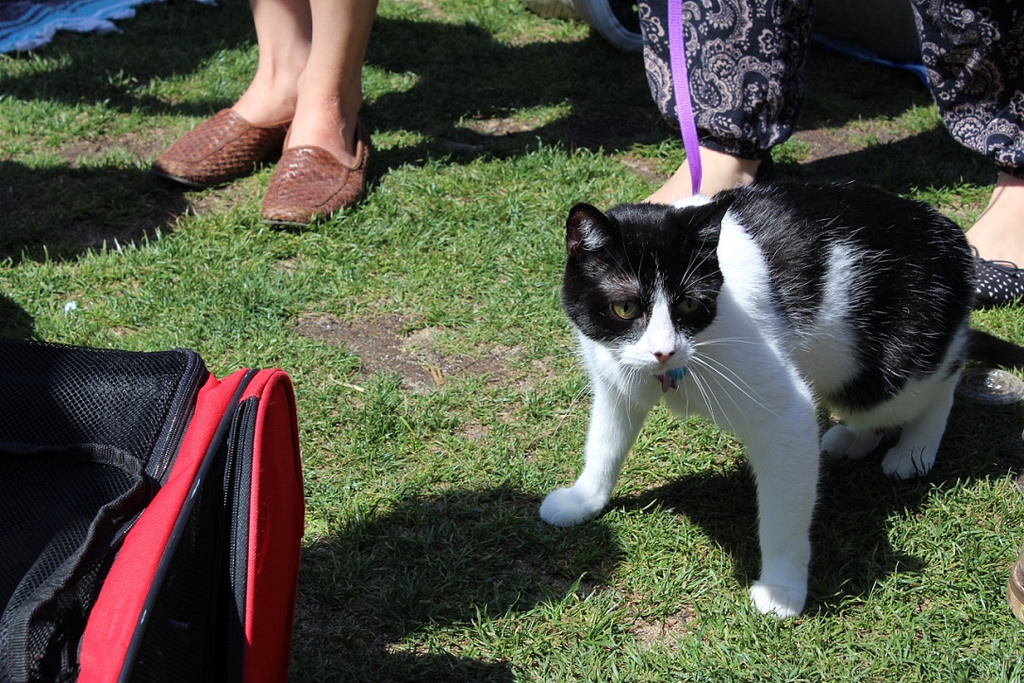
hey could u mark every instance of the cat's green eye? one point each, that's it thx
(627, 310)
(687, 306)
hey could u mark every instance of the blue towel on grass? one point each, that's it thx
(28, 24)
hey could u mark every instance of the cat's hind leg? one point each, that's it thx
(846, 441)
(914, 453)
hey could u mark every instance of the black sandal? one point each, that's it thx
(999, 283)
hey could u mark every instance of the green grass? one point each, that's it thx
(439, 397)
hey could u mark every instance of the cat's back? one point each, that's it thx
(860, 275)
(886, 247)
(801, 213)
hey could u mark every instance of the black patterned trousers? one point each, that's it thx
(745, 59)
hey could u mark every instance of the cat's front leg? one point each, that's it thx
(615, 421)
(785, 463)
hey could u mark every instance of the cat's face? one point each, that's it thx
(642, 280)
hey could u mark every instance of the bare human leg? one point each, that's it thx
(311, 56)
(284, 30)
(719, 171)
(330, 89)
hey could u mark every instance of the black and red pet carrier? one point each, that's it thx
(150, 517)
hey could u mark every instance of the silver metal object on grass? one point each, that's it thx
(990, 386)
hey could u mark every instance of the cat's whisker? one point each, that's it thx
(726, 340)
(717, 395)
(711, 400)
(688, 279)
(705, 398)
(725, 373)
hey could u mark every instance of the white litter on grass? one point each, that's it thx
(70, 307)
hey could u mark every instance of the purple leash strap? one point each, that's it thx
(681, 87)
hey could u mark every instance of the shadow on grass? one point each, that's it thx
(839, 90)
(61, 212)
(471, 96)
(434, 562)
(463, 75)
(929, 159)
(468, 76)
(15, 322)
(460, 71)
(856, 506)
(164, 41)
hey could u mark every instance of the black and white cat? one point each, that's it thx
(754, 307)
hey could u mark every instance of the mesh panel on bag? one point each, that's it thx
(79, 431)
(53, 395)
(59, 512)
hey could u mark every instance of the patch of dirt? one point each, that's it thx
(824, 143)
(141, 147)
(665, 630)
(473, 430)
(645, 168)
(86, 202)
(497, 127)
(145, 205)
(394, 344)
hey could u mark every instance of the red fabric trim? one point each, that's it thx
(276, 524)
(114, 616)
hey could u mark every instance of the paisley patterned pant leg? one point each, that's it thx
(744, 59)
(974, 53)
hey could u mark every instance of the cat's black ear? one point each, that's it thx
(711, 213)
(586, 227)
(705, 220)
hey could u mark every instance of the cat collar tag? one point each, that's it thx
(670, 379)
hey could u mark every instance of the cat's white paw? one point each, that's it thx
(571, 506)
(842, 441)
(903, 462)
(778, 601)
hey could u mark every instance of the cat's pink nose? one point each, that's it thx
(662, 356)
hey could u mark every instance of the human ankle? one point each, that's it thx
(998, 234)
(719, 171)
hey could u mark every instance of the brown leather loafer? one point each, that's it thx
(219, 149)
(309, 182)
(1015, 587)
